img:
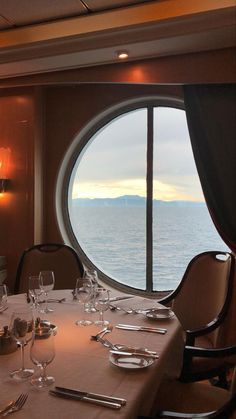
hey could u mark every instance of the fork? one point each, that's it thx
(53, 300)
(9, 405)
(104, 342)
(17, 405)
(4, 309)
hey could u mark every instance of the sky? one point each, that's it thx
(114, 162)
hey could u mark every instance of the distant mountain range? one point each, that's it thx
(129, 200)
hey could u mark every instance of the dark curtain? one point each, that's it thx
(211, 116)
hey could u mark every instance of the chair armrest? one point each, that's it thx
(224, 412)
(208, 328)
(179, 415)
(209, 352)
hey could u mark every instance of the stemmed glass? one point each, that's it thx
(34, 290)
(42, 353)
(93, 276)
(21, 329)
(84, 293)
(46, 283)
(102, 300)
(3, 297)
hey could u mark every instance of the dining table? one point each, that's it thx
(85, 364)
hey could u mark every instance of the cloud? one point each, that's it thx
(114, 162)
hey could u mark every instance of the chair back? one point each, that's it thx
(205, 291)
(227, 330)
(233, 382)
(60, 258)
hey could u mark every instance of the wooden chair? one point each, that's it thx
(60, 258)
(196, 400)
(201, 303)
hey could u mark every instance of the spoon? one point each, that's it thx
(109, 329)
(102, 333)
(106, 329)
(104, 342)
(128, 311)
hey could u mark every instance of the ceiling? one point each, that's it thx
(49, 35)
(13, 13)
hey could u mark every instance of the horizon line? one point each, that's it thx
(140, 196)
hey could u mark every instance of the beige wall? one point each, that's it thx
(38, 124)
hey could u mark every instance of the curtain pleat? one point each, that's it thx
(211, 117)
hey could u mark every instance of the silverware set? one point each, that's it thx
(120, 349)
(88, 397)
(131, 310)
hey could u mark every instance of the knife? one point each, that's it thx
(141, 329)
(92, 395)
(86, 399)
(143, 354)
(124, 297)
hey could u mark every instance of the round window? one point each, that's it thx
(134, 205)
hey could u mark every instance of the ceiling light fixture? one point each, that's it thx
(122, 55)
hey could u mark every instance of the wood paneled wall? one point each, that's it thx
(39, 124)
(17, 122)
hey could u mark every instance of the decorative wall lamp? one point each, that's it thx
(4, 168)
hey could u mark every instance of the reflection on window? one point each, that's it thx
(108, 197)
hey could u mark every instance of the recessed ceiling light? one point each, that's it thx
(122, 55)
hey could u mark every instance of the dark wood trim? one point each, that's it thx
(149, 203)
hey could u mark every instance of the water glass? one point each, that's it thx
(102, 300)
(21, 329)
(46, 283)
(42, 353)
(34, 291)
(84, 293)
(93, 276)
(3, 297)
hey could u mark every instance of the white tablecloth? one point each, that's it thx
(84, 364)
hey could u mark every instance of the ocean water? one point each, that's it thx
(113, 237)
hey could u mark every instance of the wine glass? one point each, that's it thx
(3, 297)
(21, 329)
(42, 353)
(84, 293)
(91, 274)
(46, 283)
(102, 299)
(34, 290)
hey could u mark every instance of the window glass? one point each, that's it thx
(106, 213)
(182, 226)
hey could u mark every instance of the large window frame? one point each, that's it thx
(75, 152)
